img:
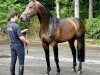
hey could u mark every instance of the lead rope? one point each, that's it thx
(26, 44)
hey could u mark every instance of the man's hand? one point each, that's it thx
(24, 31)
(27, 42)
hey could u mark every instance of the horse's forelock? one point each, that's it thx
(33, 0)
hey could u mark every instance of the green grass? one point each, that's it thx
(35, 38)
(93, 41)
(97, 42)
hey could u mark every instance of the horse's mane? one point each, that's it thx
(47, 10)
(53, 20)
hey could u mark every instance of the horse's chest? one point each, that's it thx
(44, 36)
(51, 36)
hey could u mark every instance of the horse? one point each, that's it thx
(53, 31)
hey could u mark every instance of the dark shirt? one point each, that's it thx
(14, 32)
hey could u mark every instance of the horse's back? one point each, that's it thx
(70, 27)
(71, 23)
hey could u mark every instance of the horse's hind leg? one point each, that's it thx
(46, 50)
(72, 47)
(81, 52)
(55, 49)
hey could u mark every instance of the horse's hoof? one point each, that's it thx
(79, 72)
(48, 71)
(58, 73)
(47, 74)
(73, 70)
(58, 70)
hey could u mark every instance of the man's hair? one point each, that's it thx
(13, 13)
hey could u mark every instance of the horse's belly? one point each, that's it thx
(66, 36)
(67, 32)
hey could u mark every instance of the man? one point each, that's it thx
(17, 43)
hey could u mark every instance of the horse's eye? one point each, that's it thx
(30, 7)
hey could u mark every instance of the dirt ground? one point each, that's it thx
(35, 61)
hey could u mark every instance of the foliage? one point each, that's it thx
(66, 10)
(96, 8)
(84, 4)
(6, 6)
(93, 28)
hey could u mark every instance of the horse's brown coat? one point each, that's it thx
(54, 31)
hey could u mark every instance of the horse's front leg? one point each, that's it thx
(55, 49)
(46, 50)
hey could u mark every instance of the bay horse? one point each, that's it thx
(54, 31)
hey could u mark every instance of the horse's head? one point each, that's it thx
(30, 11)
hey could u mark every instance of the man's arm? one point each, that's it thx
(22, 38)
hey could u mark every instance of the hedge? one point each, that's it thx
(93, 28)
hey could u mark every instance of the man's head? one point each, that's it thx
(14, 16)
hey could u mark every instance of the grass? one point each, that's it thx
(93, 41)
(36, 39)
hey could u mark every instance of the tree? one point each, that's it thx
(76, 8)
(57, 8)
(90, 9)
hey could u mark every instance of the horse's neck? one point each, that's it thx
(47, 21)
(44, 20)
(43, 16)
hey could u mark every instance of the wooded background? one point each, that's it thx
(88, 11)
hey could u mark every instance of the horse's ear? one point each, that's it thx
(33, 0)
(30, 0)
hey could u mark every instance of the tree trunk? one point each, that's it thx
(57, 8)
(90, 9)
(77, 8)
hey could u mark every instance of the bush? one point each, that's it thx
(93, 28)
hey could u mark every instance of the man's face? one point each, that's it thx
(16, 17)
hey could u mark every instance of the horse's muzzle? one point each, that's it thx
(21, 19)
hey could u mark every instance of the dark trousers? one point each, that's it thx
(17, 50)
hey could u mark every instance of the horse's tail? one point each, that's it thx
(81, 48)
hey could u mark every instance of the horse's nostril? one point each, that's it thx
(21, 18)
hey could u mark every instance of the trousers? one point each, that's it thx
(17, 51)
